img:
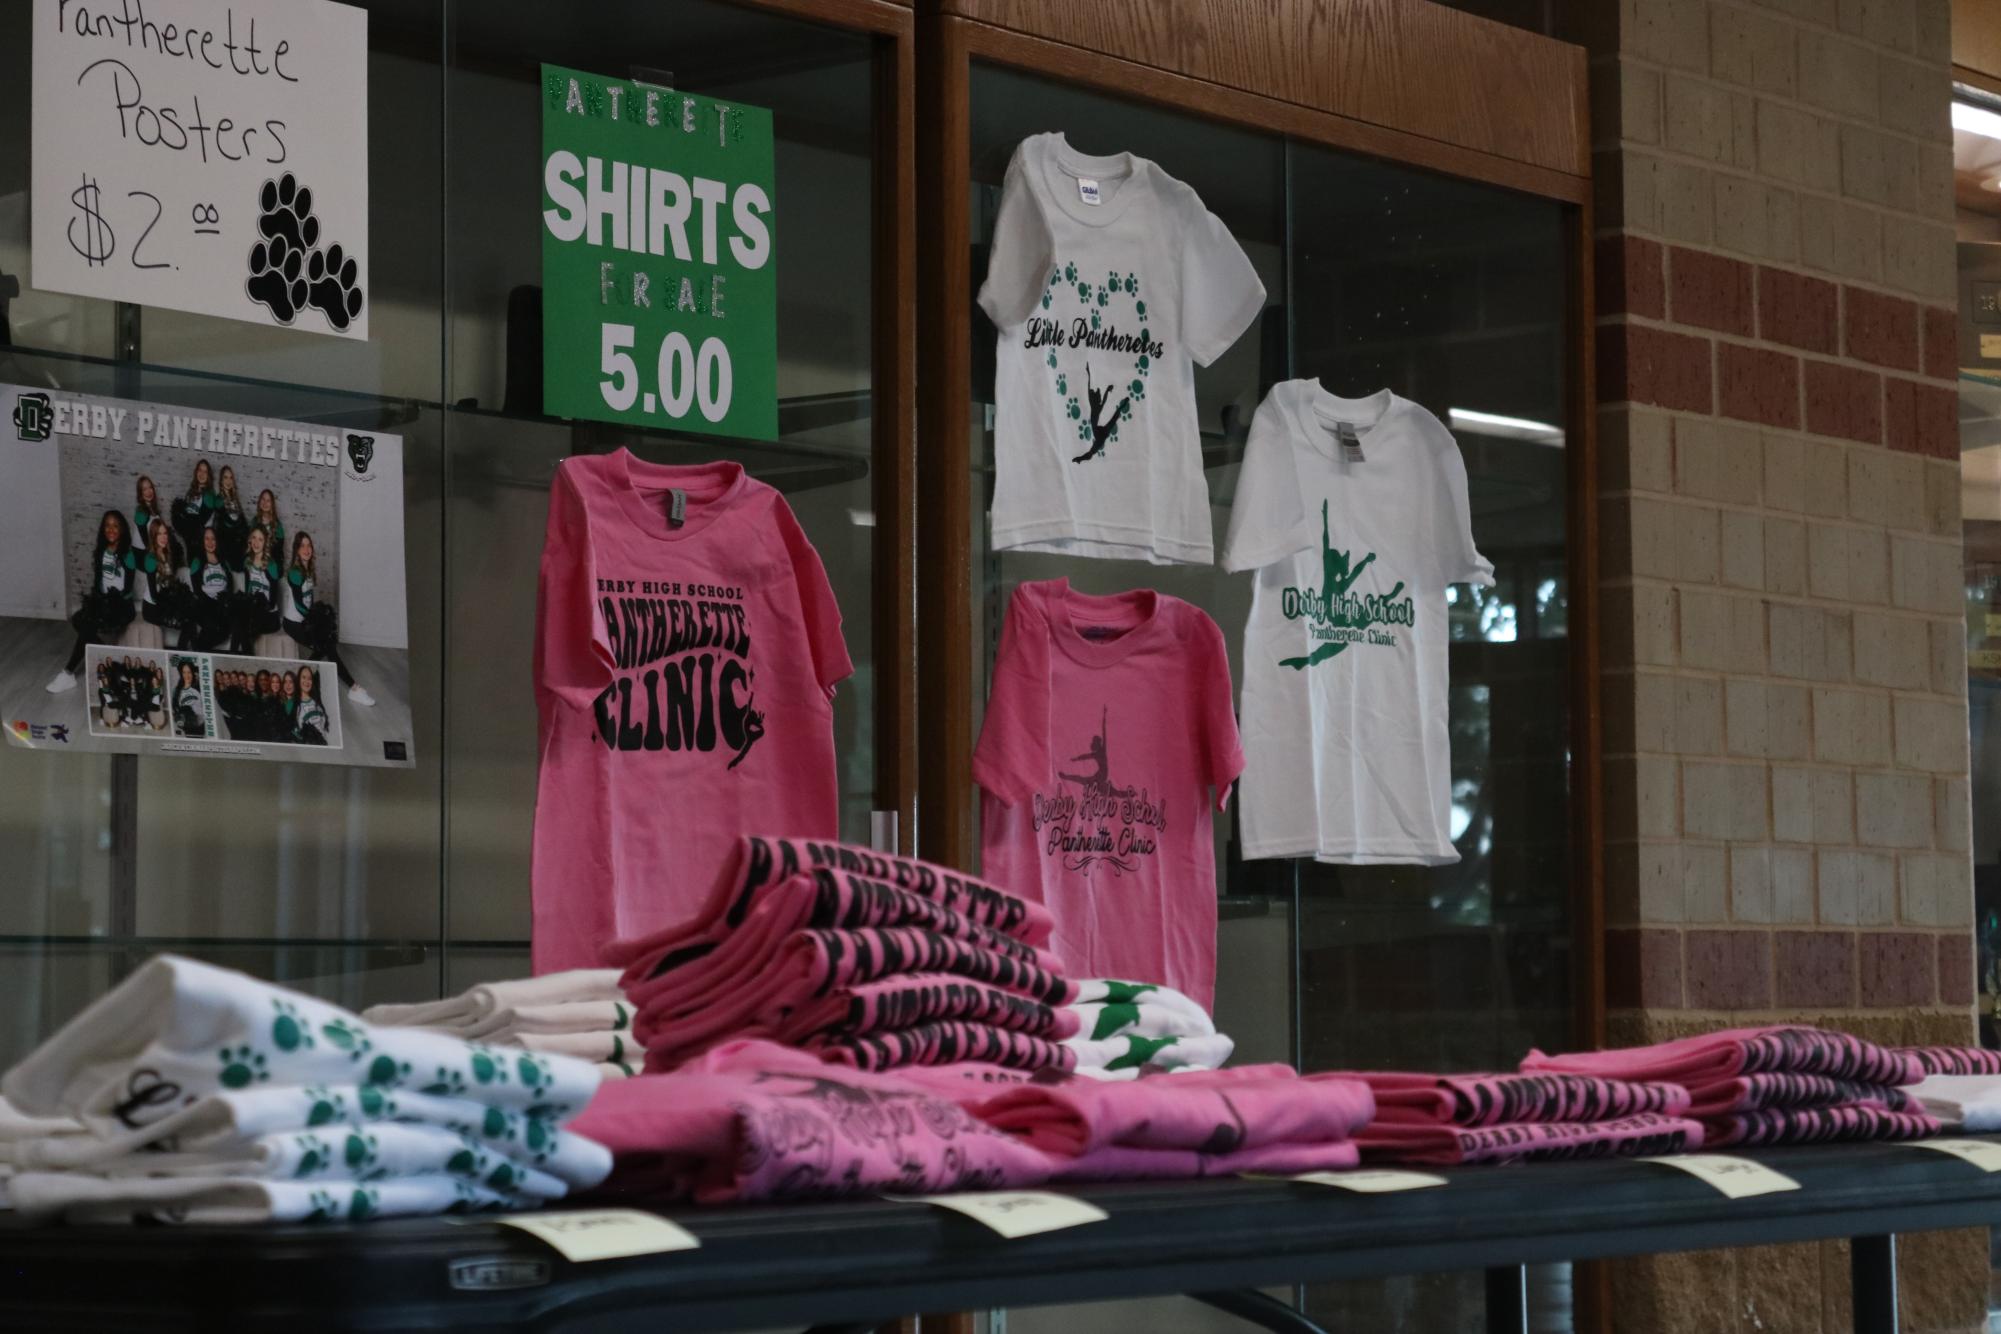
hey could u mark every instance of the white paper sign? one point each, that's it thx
(1984, 1154)
(1014, 1213)
(605, 1234)
(205, 155)
(1739, 1178)
(1372, 1181)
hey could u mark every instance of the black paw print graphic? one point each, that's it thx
(331, 289)
(274, 282)
(288, 270)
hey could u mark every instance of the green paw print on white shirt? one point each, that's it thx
(314, 1155)
(350, 1038)
(387, 1072)
(377, 1104)
(325, 1107)
(498, 1124)
(324, 1206)
(446, 1082)
(470, 1162)
(242, 1067)
(360, 1153)
(289, 1031)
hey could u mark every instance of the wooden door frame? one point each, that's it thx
(1142, 50)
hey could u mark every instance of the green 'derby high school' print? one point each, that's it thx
(1340, 618)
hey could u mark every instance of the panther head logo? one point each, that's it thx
(360, 449)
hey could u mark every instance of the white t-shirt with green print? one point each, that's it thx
(1343, 714)
(1108, 282)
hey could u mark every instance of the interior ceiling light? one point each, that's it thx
(1507, 428)
(1976, 120)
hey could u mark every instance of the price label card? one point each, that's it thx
(605, 1234)
(1983, 1154)
(1739, 1178)
(1014, 1213)
(1376, 1181)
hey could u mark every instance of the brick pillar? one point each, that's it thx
(1785, 676)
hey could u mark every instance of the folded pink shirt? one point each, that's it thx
(944, 1042)
(1818, 1125)
(1487, 1100)
(758, 864)
(1646, 1134)
(1697, 1062)
(1075, 1117)
(1955, 1060)
(755, 1121)
(1750, 1093)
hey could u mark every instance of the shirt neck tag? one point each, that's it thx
(1087, 190)
(677, 507)
(1351, 443)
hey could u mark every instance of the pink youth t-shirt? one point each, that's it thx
(1108, 728)
(684, 676)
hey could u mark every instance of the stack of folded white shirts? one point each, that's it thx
(1125, 1028)
(193, 1093)
(580, 1013)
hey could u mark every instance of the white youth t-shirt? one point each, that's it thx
(1346, 756)
(1108, 282)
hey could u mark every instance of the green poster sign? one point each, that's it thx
(659, 271)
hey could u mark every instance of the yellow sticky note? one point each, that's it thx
(1014, 1213)
(605, 1234)
(1739, 1178)
(1373, 1181)
(1982, 1153)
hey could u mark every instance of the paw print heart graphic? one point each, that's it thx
(1100, 351)
(290, 273)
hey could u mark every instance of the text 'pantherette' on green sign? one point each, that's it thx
(659, 270)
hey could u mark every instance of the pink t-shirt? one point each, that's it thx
(684, 675)
(1108, 727)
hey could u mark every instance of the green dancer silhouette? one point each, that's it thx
(1335, 581)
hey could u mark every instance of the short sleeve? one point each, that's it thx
(1460, 562)
(1220, 291)
(572, 654)
(1011, 754)
(1019, 253)
(1267, 517)
(1222, 749)
(821, 613)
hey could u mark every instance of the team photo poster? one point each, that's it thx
(187, 582)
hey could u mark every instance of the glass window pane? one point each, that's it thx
(503, 452)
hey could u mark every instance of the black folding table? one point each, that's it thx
(851, 1265)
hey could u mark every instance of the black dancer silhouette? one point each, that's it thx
(1099, 783)
(1101, 431)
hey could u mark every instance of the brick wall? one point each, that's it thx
(1785, 676)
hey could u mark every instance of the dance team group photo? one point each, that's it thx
(193, 562)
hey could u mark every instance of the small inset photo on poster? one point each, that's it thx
(276, 701)
(130, 690)
(187, 696)
(136, 528)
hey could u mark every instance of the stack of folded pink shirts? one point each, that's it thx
(1448, 1119)
(758, 1121)
(1781, 1085)
(868, 960)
